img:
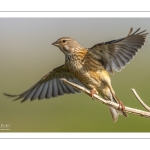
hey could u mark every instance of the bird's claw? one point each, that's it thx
(92, 92)
(122, 108)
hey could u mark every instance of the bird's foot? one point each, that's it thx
(92, 92)
(122, 108)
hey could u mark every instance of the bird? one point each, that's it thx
(88, 67)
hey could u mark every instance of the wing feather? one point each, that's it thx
(116, 54)
(49, 90)
(43, 92)
(50, 85)
(60, 90)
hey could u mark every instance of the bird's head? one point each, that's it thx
(67, 45)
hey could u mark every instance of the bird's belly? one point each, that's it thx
(90, 79)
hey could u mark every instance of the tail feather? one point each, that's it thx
(114, 114)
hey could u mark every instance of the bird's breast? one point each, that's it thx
(87, 69)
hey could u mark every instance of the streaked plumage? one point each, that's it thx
(87, 67)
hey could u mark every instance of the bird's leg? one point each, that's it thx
(92, 92)
(122, 108)
(121, 105)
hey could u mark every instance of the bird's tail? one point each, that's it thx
(115, 113)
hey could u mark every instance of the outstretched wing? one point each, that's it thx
(116, 54)
(50, 85)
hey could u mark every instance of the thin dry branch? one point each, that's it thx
(140, 100)
(137, 112)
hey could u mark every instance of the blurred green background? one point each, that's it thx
(26, 54)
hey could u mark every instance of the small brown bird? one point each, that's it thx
(88, 67)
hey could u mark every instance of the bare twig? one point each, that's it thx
(140, 100)
(110, 103)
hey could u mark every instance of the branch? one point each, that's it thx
(137, 112)
(140, 100)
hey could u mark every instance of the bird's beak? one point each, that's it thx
(56, 44)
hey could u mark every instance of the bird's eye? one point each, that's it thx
(64, 41)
